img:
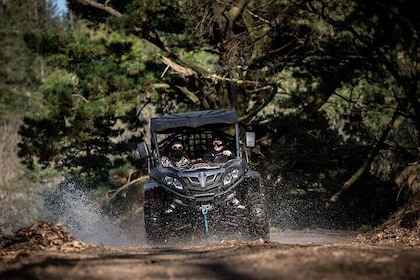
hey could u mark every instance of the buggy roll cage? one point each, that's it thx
(196, 130)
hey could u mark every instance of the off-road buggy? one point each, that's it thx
(205, 198)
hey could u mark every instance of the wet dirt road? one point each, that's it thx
(307, 254)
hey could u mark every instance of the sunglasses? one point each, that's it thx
(218, 144)
(177, 147)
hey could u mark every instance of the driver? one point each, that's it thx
(176, 156)
(219, 152)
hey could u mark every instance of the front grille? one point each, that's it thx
(203, 182)
(194, 181)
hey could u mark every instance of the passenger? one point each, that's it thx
(219, 152)
(176, 156)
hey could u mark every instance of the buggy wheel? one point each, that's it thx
(258, 227)
(154, 222)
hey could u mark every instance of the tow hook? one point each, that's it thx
(205, 209)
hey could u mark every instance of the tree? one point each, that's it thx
(385, 36)
(327, 68)
(91, 121)
(22, 71)
(233, 38)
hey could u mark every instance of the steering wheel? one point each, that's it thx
(220, 157)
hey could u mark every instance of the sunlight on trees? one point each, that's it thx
(324, 77)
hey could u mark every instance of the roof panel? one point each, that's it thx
(192, 119)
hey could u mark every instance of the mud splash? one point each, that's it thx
(73, 206)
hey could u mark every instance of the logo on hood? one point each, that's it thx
(202, 178)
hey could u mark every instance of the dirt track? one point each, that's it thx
(295, 255)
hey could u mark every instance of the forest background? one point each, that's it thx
(331, 89)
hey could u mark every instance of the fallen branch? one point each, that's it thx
(103, 7)
(126, 186)
(188, 72)
(189, 94)
(183, 71)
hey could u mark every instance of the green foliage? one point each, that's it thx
(10, 188)
(121, 174)
(100, 194)
(320, 79)
(88, 110)
(22, 70)
(364, 228)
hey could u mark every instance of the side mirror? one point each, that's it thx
(143, 150)
(250, 139)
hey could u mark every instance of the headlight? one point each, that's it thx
(171, 181)
(230, 176)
